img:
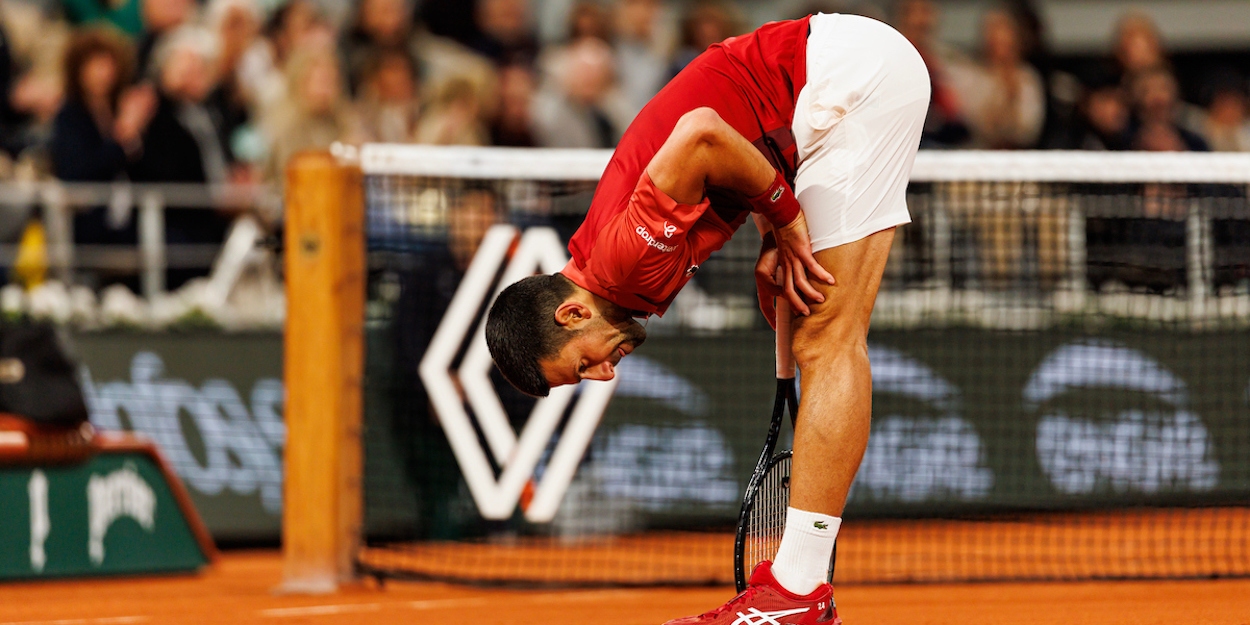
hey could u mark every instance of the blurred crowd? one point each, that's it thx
(227, 90)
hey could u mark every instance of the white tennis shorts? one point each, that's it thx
(857, 124)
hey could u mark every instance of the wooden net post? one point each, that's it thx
(324, 362)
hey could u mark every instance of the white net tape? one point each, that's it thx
(931, 166)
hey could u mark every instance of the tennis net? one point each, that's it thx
(1061, 382)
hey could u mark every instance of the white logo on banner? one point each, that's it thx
(1132, 450)
(496, 497)
(40, 522)
(241, 449)
(913, 459)
(113, 496)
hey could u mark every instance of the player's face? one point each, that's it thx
(596, 350)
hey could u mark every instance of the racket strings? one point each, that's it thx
(767, 519)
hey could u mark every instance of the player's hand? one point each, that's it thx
(766, 284)
(794, 248)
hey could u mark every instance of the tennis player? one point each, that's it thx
(809, 127)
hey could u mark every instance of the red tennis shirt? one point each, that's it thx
(637, 247)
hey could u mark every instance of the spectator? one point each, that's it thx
(379, 25)
(313, 113)
(295, 25)
(1003, 97)
(1226, 124)
(513, 125)
(589, 19)
(1103, 116)
(389, 104)
(1138, 45)
(124, 15)
(237, 24)
(32, 46)
(98, 131)
(579, 106)
(505, 35)
(1156, 102)
(640, 58)
(91, 138)
(160, 17)
(706, 22)
(454, 117)
(181, 144)
(945, 126)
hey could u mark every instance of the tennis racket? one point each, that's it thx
(763, 516)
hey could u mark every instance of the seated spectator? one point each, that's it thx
(98, 131)
(1103, 116)
(389, 103)
(32, 48)
(579, 105)
(1138, 45)
(1004, 101)
(1226, 122)
(589, 19)
(1156, 102)
(454, 117)
(505, 34)
(160, 18)
(314, 111)
(705, 22)
(237, 24)
(946, 125)
(181, 144)
(640, 55)
(513, 125)
(378, 25)
(124, 15)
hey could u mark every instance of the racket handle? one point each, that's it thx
(785, 355)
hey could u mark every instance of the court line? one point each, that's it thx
(432, 604)
(109, 620)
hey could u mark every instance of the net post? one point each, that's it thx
(324, 359)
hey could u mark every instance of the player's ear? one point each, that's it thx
(572, 314)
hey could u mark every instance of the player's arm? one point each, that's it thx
(705, 150)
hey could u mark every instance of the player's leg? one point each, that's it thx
(831, 348)
(857, 125)
(703, 150)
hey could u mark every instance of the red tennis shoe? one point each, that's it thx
(765, 602)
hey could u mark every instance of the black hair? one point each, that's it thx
(521, 330)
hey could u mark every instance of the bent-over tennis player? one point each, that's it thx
(810, 127)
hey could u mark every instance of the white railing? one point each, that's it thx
(58, 201)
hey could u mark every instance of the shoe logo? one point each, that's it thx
(777, 194)
(669, 230)
(765, 618)
(820, 525)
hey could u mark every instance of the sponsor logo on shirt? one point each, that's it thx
(669, 230)
(646, 236)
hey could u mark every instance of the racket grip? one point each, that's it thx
(785, 354)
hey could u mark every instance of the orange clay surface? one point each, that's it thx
(239, 590)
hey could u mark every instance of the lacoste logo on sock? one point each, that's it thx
(777, 194)
(820, 525)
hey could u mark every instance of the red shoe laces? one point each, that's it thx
(745, 595)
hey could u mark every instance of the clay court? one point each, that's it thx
(240, 589)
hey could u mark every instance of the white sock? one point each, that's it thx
(802, 562)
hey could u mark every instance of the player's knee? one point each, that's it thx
(824, 342)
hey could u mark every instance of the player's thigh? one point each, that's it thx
(843, 317)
